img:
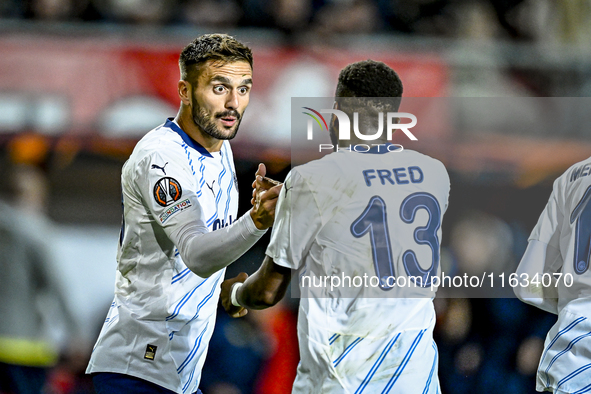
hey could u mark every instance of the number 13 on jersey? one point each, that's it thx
(374, 222)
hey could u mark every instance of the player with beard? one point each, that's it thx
(180, 229)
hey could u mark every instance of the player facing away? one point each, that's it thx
(180, 229)
(559, 248)
(376, 213)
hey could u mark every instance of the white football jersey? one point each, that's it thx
(368, 217)
(161, 320)
(564, 229)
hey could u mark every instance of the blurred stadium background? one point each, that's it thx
(81, 81)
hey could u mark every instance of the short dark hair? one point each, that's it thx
(368, 78)
(220, 47)
(366, 89)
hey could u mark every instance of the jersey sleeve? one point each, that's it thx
(547, 230)
(297, 221)
(171, 195)
(543, 254)
(169, 191)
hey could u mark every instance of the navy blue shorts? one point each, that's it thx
(112, 383)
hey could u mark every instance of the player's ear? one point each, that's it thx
(184, 89)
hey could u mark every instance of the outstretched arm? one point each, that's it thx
(265, 288)
(206, 252)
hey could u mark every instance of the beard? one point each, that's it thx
(207, 122)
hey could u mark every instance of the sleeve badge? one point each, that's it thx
(167, 190)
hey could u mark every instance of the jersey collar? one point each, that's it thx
(188, 140)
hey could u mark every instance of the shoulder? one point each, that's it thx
(576, 171)
(429, 165)
(161, 140)
(161, 143)
(161, 147)
(573, 185)
(317, 171)
(331, 160)
(577, 176)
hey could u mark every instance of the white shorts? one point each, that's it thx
(565, 365)
(403, 363)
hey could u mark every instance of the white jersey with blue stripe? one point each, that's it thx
(161, 320)
(564, 230)
(375, 214)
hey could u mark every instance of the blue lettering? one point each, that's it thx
(217, 224)
(411, 172)
(404, 176)
(400, 173)
(385, 174)
(579, 172)
(368, 177)
(575, 174)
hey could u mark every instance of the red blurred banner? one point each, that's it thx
(115, 88)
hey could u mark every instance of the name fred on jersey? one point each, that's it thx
(400, 176)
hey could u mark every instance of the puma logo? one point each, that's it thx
(211, 187)
(160, 168)
(150, 353)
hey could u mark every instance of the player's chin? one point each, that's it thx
(228, 133)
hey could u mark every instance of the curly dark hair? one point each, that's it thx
(365, 89)
(219, 47)
(372, 79)
(368, 78)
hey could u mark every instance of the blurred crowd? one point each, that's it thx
(509, 19)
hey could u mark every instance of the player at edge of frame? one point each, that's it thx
(558, 249)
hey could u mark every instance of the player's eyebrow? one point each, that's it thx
(222, 79)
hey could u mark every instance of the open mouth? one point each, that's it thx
(228, 121)
(228, 118)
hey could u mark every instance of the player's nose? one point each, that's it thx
(233, 100)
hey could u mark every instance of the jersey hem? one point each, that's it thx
(149, 379)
